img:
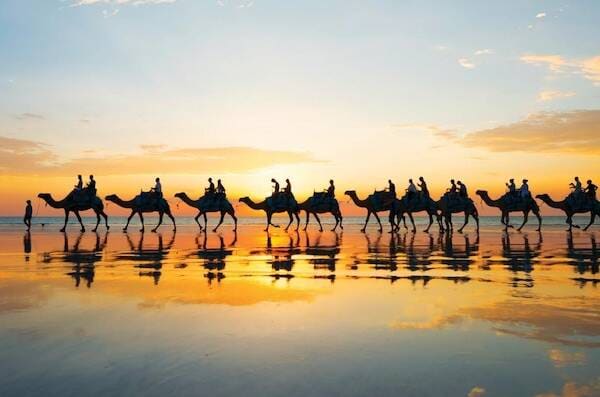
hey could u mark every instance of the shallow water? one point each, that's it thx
(493, 314)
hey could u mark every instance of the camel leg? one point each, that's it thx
(291, 221)
(412, 222)
(296, 214)
(196, 219)
(80, 221)
(378, 221)
(525, 218)
(476, 217)
(319, 222)
(366, 222)
(205, 221)
(539, 218)
(430, 222)
(232, 215)
(97, 221)
(128, 220)
(466, 222)
(66, 221)
(338, 220)
(592, 219)
(142, 220)
(307, 219)
(392, 220)
(220, 221)
(160, 220)
(170, 215)
(105, 219)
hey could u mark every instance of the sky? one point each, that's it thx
(242, 90)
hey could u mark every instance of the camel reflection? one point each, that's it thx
(458, 258)
(82, 260)
(322, 256)
(519, 258)
(282, 256)
(586, 257)
(213, 259)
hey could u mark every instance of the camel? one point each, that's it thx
(506, 206)
(69, 204)
(209, 204)
(321, 205)
(274, 205)
(402, 206)
(592, 208)
(448, 207)
(139, 205)
(374, 203)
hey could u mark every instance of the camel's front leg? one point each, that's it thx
(197, 221)
(378, 222)
(97, 221)
(232, 214)
(142, 221)
(80, 221)
(66, 220)
(366, 222)
(105, 219)
(592, 219)
(392, 220)
(319, 222)
(170, 215)
(539, 218)
(128, 220)
(525, 217)
(220, 221)
(205, 221)
(466, 222)
(412, 221)
(160, 220)
(430, 222)
(291, 221)
(307, 219)
(475, 216)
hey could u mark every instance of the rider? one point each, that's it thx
(288, 187)
(453, 189)
(423, 186)
(512, 188)
(331, 189)
(591, 189)
(91, 186)
(411, 191)
(524, 190)
(79, 185)
(462, 189)
(576, 186)
(275, 187)
(211, 187)
(220, 188)
(392, 188)
(157, 189)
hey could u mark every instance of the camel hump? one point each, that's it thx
(281, 201)
(580, 202)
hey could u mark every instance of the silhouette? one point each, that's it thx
(571, 206)
(323, 256)
(27, 245)
(377, 202)
(75, 202)
(144, 202)
(411, 203)
(586, 257)
(322, 203)
(278, 202)
(454, 203)
(509, 203)
(210, 203)
(157, 189)
(28, 215)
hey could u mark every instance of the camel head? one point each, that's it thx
(244, 199)
(44, 196)
(180, 195)
(111, 197)
(543, 196)
(481, 192)
(350, 192)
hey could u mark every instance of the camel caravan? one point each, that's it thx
(415, 200)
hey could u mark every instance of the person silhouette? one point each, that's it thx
(220, 188)
(275, 187)
(524, 190)
(453, 189)
(411, 191)
(288, 188)
(157, 189)
(462, 190)
(392, 188)
(79, 184)
(423, 187)
(28, 215)
(211, 186)
(331, 189)
(91, 186)
(591, 190)
(512, 188)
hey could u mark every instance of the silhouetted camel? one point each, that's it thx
(448, 207)
(404, 206)
(285, 205)
(69, 204)
(507, 205)
(592, 207)
(321, 205)
(374, 203)
(209, 204)
(139, 205)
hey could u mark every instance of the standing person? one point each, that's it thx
(331, 189)
(524, 190)
(220, 188)
(411, 191)
(423, 187)
(462, 190)
(392, 188)
(28, 215)
(591, 190)
(275, 186)
(157, 188)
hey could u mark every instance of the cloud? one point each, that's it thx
(572, 389)
(484, 51)
(541, 15)
(476, 392)
(22, 157)
(79, 3)
(431, 128)
(550, 95)
(556, 64)
(466, 63)
(561, 358)
(29, 116)
(553, 132)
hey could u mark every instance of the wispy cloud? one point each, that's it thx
(24, 157)
(466, 63)
(79, 3)
(540, 15)
(557, 64)
(29, 116)
(550, 95)
(436, 130)
(484, 51)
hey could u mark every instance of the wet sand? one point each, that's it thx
(514, 314)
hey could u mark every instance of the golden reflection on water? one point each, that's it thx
(527, 303)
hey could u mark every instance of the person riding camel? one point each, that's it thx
(392, 188)
(220, 188)
(331, 189)
(211, 187)
(423, 187)
(453, 189)
(591, 190)
(576, 186)
(411, 191)
(157, 189)
(462, 190)
(275, 187)
(79, 186)
(512, 188)
(524, 190)
(91, 186)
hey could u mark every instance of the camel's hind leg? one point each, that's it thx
(366, 222)
(430, 222)
(378, 222)
(539, 218)
(97, 221)
(142, 220)
(392, 220)
(80, 221)
(318, 221)
(66, 221)
(197, 221)
(220, 221)
(232, 215)
(466, 222)
(307, 220)
(525, 218)
(412, 222)
(592, 219)
(160, 220)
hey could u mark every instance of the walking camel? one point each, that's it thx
(69, 204)
(593, 207)
(374, 203)
(404, 206)
(142, 203)
(319, 203)
(209, 204)
(465, 205)
(274, 205)
(508, 205)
